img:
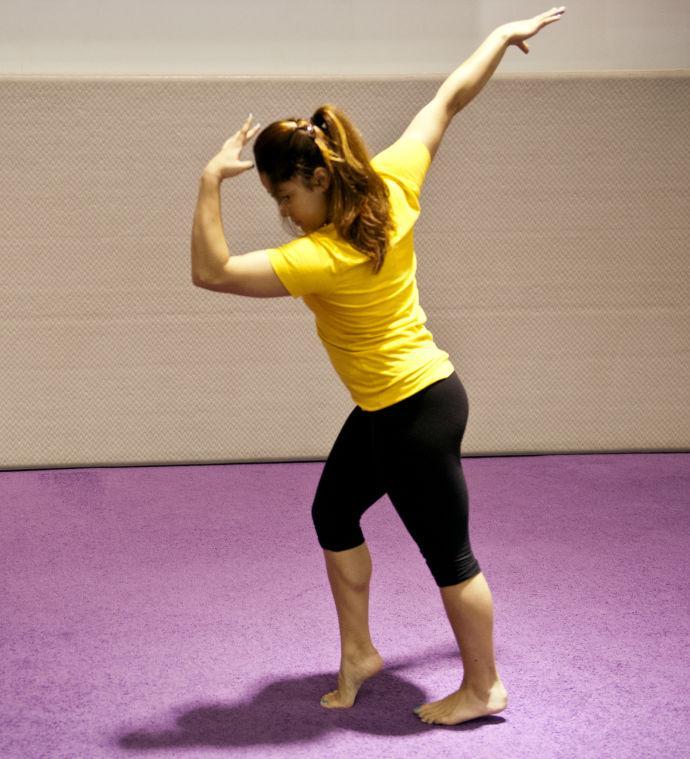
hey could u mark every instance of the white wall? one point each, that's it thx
(329, 37)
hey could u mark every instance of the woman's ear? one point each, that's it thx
(322, 178)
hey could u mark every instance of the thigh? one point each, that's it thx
(349, 483)
(430, 496)
(418, 446)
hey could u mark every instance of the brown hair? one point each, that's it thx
(357, 198)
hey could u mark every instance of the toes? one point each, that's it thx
(423, 715)
(428, 716)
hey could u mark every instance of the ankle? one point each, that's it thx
(358, 651)
(483, 686)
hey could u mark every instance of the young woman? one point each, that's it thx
(354, 267)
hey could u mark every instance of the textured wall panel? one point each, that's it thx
(553, 263)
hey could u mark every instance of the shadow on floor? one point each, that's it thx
(287, 711)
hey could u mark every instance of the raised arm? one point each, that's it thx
(465, 83)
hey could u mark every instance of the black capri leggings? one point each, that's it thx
(410, 450)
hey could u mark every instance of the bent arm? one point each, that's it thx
(210, 250)
(468, 79)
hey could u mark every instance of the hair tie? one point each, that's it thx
(310, 128)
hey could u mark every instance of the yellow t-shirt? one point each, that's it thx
(371, 325)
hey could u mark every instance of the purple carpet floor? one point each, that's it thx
(185, 611)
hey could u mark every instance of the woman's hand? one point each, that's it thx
(227, 162)
(519, 31)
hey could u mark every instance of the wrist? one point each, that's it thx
(210, 174)
(503, 33)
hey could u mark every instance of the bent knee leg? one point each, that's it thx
(453, 568)
(337, 527)
(348, 486)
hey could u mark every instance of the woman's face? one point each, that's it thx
(307, 208)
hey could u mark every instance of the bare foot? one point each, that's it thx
(464, 704)
(353, 672)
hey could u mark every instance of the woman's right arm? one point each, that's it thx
(430, 123)
(467, 81)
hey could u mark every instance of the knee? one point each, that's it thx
(463, 567)
(334, 531)
(448, 579)
(321, 520)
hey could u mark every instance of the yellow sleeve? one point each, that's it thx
(406, 161)
(303, 266)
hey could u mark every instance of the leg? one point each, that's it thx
(423, 472)
(348, 486)
(349, 573)
(469, 608)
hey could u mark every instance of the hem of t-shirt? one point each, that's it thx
(443, 371)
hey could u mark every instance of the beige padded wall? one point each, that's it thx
(553, 263)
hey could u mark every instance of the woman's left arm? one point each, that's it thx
(210, 252)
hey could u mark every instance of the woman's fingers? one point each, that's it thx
(556, 13)
(242, 134)
(246, 125)
(553, 15)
